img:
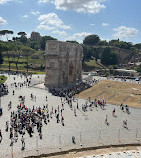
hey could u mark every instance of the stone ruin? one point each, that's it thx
(63, 64)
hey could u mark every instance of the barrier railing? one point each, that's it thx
(72, 140)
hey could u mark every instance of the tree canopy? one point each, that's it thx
(91, 40)
(6, 33)
(108, 57)
(21, 33)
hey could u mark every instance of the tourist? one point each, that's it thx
(61, 112)
(114, 112)
(62, 120)
(58, 108)
(23, 142)
(57, 117)
(77, 104)
(125, 123)
(106, 120)
(127, 109)
(75, 112)
(6, 126)
(62, 106)
(0, 136)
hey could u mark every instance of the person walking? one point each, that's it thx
(114, 112)
(75, 112)
(0, 136)
(62, 120)
(6, 126)
(11, 137)
(106, 120)
(77, 104)
(125, 123)
(23, 143)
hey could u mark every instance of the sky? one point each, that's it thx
(73, 19)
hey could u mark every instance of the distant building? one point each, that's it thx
(35, 36)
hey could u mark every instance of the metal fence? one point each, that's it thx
(56, 143)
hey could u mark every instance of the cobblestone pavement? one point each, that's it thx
(88, 127)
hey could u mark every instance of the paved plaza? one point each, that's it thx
(88, 128)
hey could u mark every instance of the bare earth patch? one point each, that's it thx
(115, 92)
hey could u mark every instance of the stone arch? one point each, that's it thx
(71, 69)
(64, 80)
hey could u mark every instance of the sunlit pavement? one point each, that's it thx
(88, 127)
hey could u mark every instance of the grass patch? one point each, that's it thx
(94, 63)
(24, 71)
(2, 79)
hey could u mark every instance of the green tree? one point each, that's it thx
(23, 37)
(26, 52)
(87, 53)
(21, 34)
(44, 39)
(103, 43)
(16, 56)
(108, 57)
(138, 46)
(3, 47)
(91, 40)
(6, 33)
(9, 55)
(1, 58)
(34, 45)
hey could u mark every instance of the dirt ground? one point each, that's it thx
(97, 152)
(115, 92)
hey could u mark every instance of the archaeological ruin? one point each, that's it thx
(63, 64)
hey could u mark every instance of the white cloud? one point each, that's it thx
(78, 36)
(60, 33)
(25, 16)
(51, 20)
(45, 27)
(35, 13)
(2, 21)
(124, 32)
(5, 1)
(92, 24)
(104, 24)
(85, 6)
(43, 1)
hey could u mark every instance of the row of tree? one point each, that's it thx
(94, 40)
(93, 47)
(90, 40)
(106, 56)
(14, 53)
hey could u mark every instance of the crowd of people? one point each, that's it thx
(32, 119)
(71, 91)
